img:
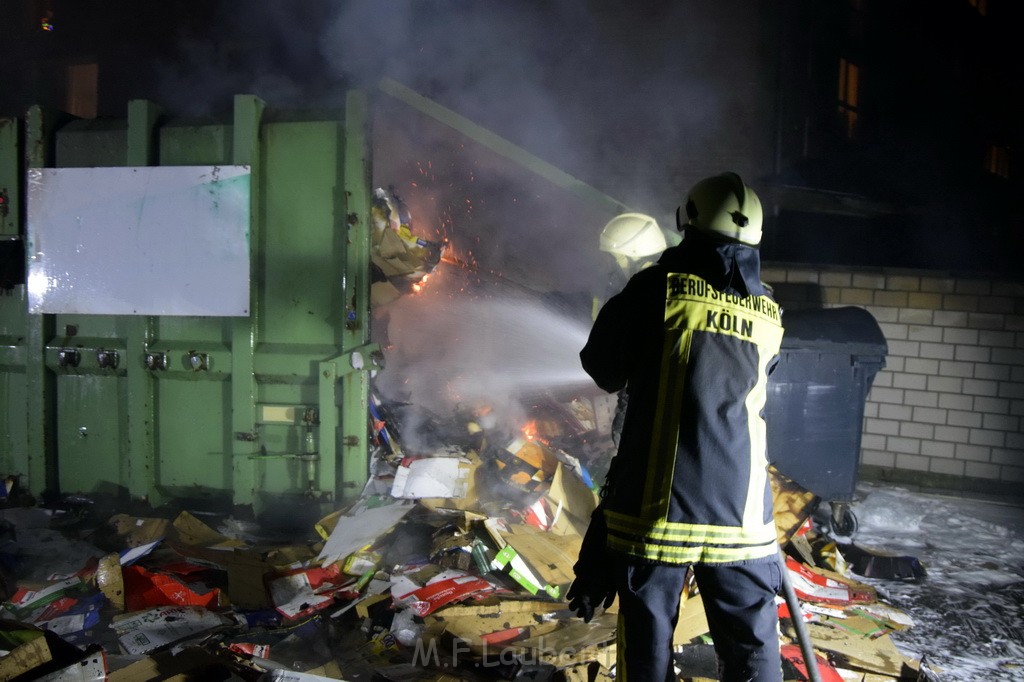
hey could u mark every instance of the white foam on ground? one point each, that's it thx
(969, 611)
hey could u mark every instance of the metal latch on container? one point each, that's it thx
(199, 362)
(107, 359)
(156, 360)
(68, 357)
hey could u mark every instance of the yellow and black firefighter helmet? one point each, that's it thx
(724, 207)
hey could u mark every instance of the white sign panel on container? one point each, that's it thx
(150, 240)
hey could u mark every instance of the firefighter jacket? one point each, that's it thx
(693, 339)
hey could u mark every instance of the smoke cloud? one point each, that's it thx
(490, 349)
(612, 97)
(622, 97)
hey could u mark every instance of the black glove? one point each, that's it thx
(594, 583)
(584, 596)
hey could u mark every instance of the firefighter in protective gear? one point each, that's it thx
(693, 339)
(634, 240)
(632, 237)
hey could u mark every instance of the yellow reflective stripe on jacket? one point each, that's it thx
(754, 507)
(665, 434)
(623, 524)
(708, 543)
(692, 553)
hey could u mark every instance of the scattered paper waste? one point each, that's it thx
(145, 631)
(353, 532)
(432, 477)
(437, 591)
(452, 565)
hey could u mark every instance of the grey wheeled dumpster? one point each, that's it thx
(816, 396)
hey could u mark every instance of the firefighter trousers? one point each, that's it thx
(739, 601)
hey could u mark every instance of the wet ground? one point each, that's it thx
(969, 610)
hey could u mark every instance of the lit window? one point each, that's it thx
(997, 161)
(849, 86)
(980, 5)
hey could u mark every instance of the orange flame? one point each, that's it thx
(418, 286)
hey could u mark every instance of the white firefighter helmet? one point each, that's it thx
(633, 235)
(723, 206)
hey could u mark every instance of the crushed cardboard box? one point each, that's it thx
(33, 653)
(572, 500)
(353, 532)
(479, 625)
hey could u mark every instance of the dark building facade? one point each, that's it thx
(896, 123)
(880, 132)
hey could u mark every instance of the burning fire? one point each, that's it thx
(531, 432)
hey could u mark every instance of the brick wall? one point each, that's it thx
(948, 409)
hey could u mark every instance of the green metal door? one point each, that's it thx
(13, 330)
(271, 402)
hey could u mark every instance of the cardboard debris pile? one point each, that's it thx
(399, 259)
(452, 565)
